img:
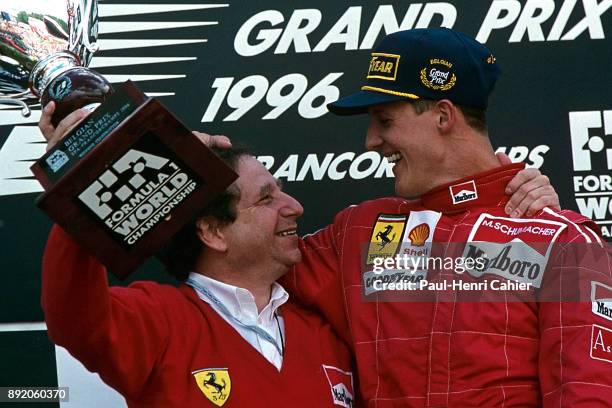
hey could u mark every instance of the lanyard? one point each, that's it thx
(223, 309)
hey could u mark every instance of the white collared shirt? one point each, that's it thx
(241, 303)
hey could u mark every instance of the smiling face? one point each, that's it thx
(264, 234)
(411, 141)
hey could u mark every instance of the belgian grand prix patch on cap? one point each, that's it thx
(438, 75)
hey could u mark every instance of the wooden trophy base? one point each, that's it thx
(135, 188)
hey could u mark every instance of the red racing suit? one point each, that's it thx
(445, 352)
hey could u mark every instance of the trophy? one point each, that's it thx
(43, 55)
(130, 175)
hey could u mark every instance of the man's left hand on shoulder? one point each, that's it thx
(530, 191)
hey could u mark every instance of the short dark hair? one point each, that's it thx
(180, 253)
(476, 118)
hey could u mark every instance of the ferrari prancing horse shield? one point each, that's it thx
(215, 384)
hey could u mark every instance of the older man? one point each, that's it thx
(426, 95)
(226, 338)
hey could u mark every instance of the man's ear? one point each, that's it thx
(210, 233)
(447, 115)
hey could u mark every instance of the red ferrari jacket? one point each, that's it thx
(162, 346)
(449, 349)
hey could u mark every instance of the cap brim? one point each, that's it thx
(359, 102)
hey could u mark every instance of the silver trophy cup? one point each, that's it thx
(45, 46)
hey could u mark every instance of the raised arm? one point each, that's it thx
(316, 282)
(117, 332)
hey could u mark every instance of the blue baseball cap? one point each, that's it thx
(429, 63)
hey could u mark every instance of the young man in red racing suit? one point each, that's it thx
(426, 95)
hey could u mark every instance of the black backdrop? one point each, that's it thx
(551, 108)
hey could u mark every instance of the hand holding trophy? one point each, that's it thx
(127, 177)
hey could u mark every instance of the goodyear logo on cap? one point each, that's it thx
(383, 66)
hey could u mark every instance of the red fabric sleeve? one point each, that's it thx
(117, 332)
(571, 375)
(316, 282)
